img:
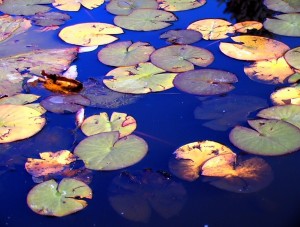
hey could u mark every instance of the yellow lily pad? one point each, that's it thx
(175, 5)
(244, 26)
(74, 5)
(285, 96)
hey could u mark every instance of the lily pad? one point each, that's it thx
(74, 5)
(284, 24)
(19, 122)
(243, 176)
(133, 196)
(181, 58)
(19, 99)
(125, 7)
(272, 71)
(181, 36)
(145, 20)
(205, 82)
(105, 151)
(28, 7)
(140, 79)
(268, 137)
(284, 6)
(212, 29)
(293, 57)
(50, 19)
(119, 122)
(285, 96)
(245, 26)
(125, 53)
(254, 48)
(190, 157)
(53, 199)
(90, 34)
(175, 5)
(65, 103)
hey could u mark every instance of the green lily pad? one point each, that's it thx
(268, 137)
(140, 79)
(19, 99)
(21, 7)
(181, 36)
(125, 53)
(288, 113)
(175, 5)
(53, 199)
(293, 57)
(105, 151)
(19, 122)
(284, 24)
(133, 195)
(125, 7)
(50, 19)
(284, 6)
(145, 20)
(181, 58)
(205, 82)
(119, 122)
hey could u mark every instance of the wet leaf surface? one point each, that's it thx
(181, 36)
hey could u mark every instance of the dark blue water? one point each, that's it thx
(166, 121)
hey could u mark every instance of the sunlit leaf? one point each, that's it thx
(19, 122)
(71, 72)
(181, 58)
(119, 122)
(140, 79)
(284, 24)
(285, 96)
(268, 137)
(125, 53)
(28, 7)
(295, 78)
(74, 5)
(50, 19)
(212, 29)
(133, 195)
(181, 36)
(145, 20)
(293, 57)
(53, 199)
(253, 48)
(19, 99)
(90, 34)
(244, 26)
(272, 71)
(37, 107)
(125, 7)
(285, 6)
(105, 151)
(189, 158)
(175, 5)
(244, 176)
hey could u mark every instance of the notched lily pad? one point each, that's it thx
(50, 19)
(181, 36)
(175, 5)
(245, 26)
(285, 96)
(125, 7)
(284, 24)
(293, 57)
(284, 6)
(74, 5)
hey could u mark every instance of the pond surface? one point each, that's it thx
(166, 121)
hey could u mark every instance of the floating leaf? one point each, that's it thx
(205, 82)
(105, 151)
(90, 34)
(37, 107)
(212, 29)
(294, 78)
(285, 96)
(253, 48)
(244, 176)
(125, 7)
(272, 71)
(71, 72)
(175, 5)
(119, 122)
(19, 122)
(140, 79)
(268, 137)
(65, 103)
(125, 53)
(145, 20)
(190, 157)
(50, 19)
(181, 36)
(284, 6)
(245, 26)
(19, 99)
(74, 5)
(133, 195)
(293, 57)
(21, 7)
(284, 24)
(53, 199)
(181, 58)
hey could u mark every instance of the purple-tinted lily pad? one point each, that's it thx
(205, 82)
(65, 103)
(181, 36)
(50, 19)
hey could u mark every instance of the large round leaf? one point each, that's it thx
(105, 151)
(125, 7)
(50, 19)
(284, 6)
(19, 99)
(181, 58)
(245, 26)
(19, 122)
(293, 57)
(205, 82)
(181, 36)
(125, 53)
(90, 34)
(175, 5)
(21, 7)
(285, 96)
(268, 137)
(140, 79)
(53, 199)
(145, 20)
(74, 5)
(284, 24)
(253, 48)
